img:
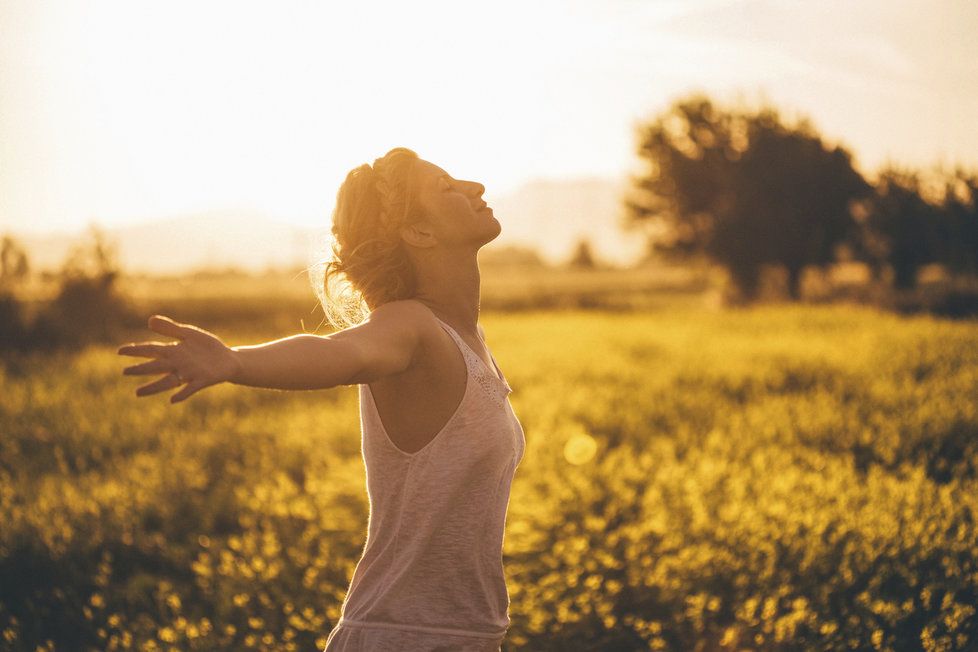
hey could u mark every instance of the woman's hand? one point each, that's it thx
(197, 360)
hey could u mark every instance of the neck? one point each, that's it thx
(451, 288)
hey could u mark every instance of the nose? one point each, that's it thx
(480, 188)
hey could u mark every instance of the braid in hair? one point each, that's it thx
(370, 262)
(392, 193)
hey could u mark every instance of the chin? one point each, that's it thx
(492, 235)
(498, 229)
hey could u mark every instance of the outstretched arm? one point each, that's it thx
(385, 344)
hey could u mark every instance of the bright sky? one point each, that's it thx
(127, 111)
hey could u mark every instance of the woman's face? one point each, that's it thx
(454, 211)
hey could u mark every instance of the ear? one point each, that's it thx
(419, 234)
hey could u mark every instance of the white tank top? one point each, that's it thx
(432, 561)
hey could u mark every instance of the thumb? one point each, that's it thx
(187, 390)
(166, 326)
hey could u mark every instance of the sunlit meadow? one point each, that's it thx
(795, 477)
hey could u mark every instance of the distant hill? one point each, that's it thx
(249, 241)
(546, 215)
(552, 214)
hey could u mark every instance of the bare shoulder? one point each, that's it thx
(405, 313)
(390, 341)
(411, 319)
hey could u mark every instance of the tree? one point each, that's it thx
(795, 194)
(582, 257)
(959, 209)
(689, 150)
(87, 307)
(14, 269)
(13, 263)
(744, 189)
(899, 227)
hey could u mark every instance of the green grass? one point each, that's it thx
(783, 477)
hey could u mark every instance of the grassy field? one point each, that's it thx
(776, 478)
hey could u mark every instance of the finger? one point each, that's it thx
(146, 349)
(151, 367)
(189, 389)
(167, 326)
(168, 381)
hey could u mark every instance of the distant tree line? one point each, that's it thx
(744, 190)
(86, 308)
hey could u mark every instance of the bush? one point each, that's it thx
(86, 309)
(13, 331)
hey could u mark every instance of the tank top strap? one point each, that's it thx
(494, 384)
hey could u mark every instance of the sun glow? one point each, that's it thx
(121, 112)
(181, 105)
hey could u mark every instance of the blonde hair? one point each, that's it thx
(368, 263)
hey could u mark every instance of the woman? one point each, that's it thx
(440, 439)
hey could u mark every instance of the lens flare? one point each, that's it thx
(580, 448)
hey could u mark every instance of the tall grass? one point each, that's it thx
(776, 478)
